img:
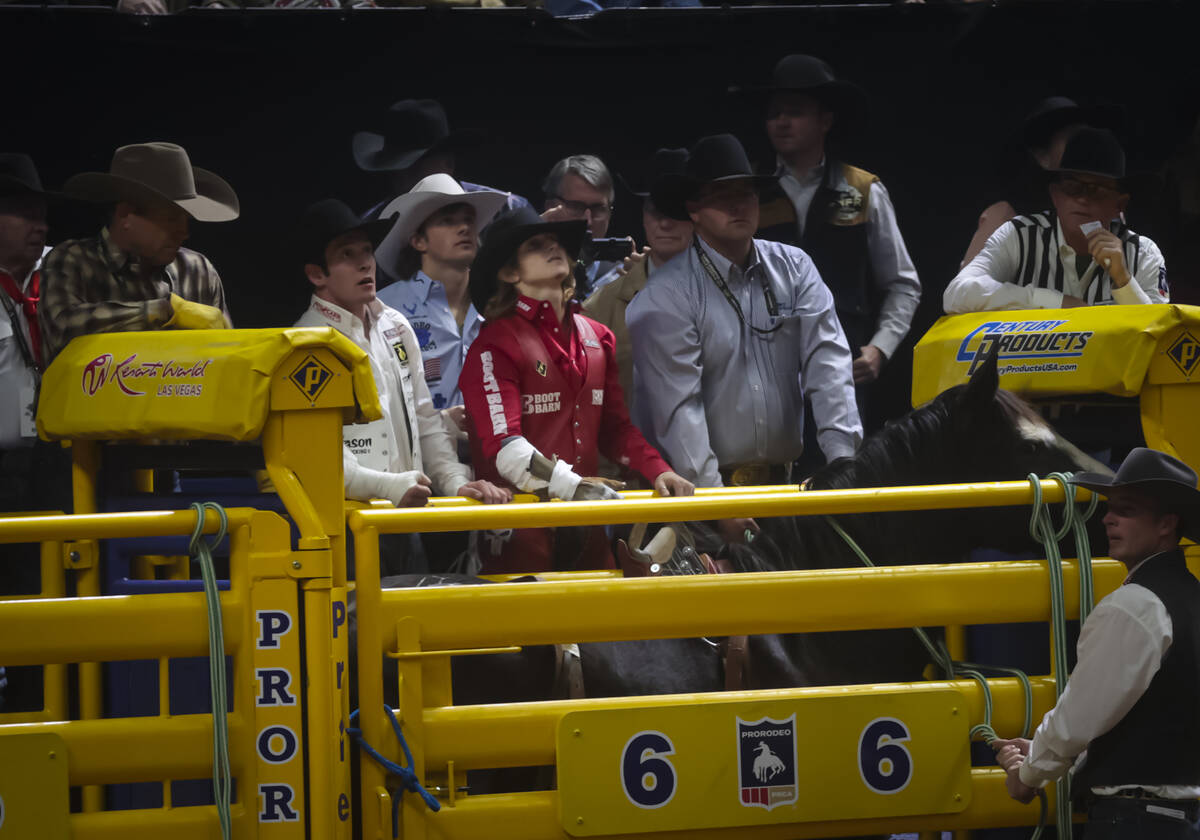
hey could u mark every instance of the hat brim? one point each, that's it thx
(375, 230)
(671, 193)
(841, 97)
(408, 212)
(372, 155)
(497, 250)
(1177, 494)
(10, 186)
(215, 200)
(1034, 130)
(1127, 183)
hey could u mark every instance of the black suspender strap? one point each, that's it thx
(719, 281)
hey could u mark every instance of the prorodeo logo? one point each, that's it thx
(130, 374)
(1022, 340)
(311, 377)
(1185, 352)
(766, 751)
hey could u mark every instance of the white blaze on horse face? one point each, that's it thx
(1036, 432)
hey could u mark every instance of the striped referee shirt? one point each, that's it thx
(92, 286)
(1027, 264)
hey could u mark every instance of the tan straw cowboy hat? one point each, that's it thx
(163, 172)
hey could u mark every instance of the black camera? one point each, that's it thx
(610, 249)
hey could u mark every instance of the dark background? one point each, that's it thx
(268, 99)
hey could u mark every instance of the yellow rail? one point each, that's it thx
(757, 501)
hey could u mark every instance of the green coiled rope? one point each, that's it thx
(201, 549)
(1041, 528)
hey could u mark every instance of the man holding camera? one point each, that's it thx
(581, 187)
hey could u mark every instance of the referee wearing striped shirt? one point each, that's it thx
(1056, 259)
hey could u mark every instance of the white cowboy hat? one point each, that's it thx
(427, 196)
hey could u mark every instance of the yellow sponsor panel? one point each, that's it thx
(1095, 349)
(211, 384)
(33, 787)
(715, 765)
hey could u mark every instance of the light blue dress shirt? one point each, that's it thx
(423, 302)
(713, 393)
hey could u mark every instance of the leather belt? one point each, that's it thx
(752, 475)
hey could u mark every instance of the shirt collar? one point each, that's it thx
(343, 319)
(529, 308)
(425, 282)
(113, 254)
(813, 175)
(723, 265)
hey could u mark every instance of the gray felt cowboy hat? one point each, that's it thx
(409, 211)
(159, 172)
(1167, 479)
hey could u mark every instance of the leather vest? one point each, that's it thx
(1158, 740)
(558, 419)
(835, 237)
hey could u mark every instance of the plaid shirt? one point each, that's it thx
(92, 286)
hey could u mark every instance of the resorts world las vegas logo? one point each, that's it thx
(1025, 346)
(133, 377)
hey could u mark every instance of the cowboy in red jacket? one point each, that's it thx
(542, 395)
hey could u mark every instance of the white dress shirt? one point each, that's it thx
(1016, 271)
(891, 266)
(387, 444)
(1121, 647)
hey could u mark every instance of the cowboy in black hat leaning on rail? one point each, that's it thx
(135, 274)
(727, 333)
(839, 214)
(1081, 253)
(1131, 702)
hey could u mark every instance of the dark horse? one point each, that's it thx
(973, 432)
(970, 433)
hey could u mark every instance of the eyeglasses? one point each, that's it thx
(1075, 188)
(600, 210)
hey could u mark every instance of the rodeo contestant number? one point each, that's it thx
(884, 763)
(647, 776)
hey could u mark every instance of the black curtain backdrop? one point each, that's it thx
(269, 99)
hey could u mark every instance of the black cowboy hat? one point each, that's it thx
(1167, 479)
(809, 74)
(719, 157)
(1093, 151)
(1055, 112)
(407, 132)
(325, 221)
(505, 235)
(664, 163)
(18, 176)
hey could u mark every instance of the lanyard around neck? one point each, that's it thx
(719, 281)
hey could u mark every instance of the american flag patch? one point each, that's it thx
(433, 369)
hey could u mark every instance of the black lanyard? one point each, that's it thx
(715, 276)
(10, 306)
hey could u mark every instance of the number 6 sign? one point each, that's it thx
(883, 761)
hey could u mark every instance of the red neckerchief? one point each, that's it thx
(28, 302)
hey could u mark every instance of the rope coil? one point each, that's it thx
(1041, 528)
(406, 775)
(201, 549)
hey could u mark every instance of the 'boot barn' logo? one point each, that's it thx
(766, 752)
(1039, 341)
(131, 375)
